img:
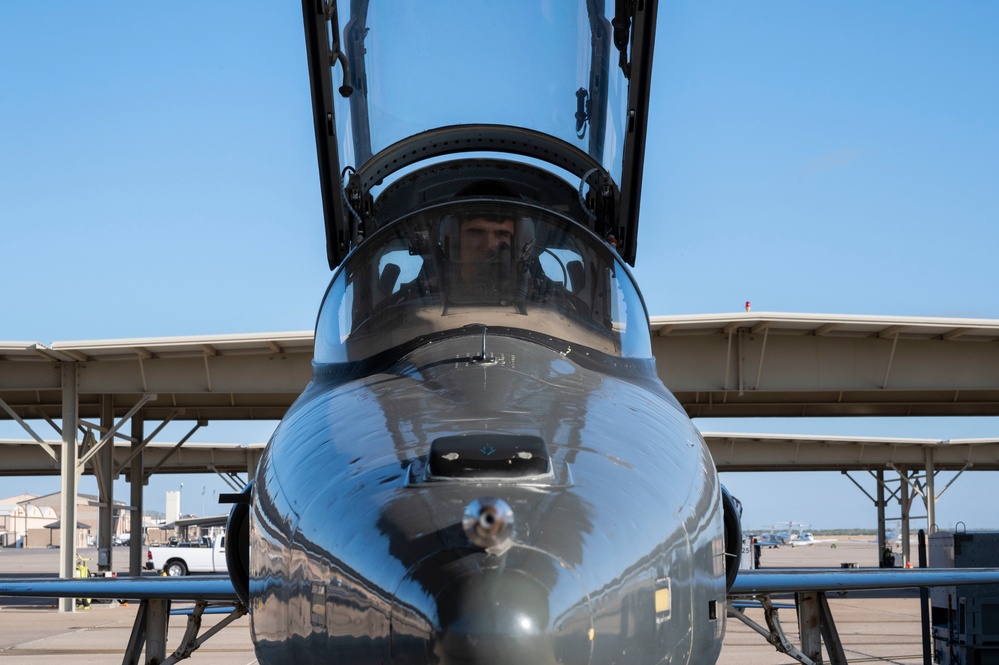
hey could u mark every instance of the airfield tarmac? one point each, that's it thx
(874, 627)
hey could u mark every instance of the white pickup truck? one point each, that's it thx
(204, 556)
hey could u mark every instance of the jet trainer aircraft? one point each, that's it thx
(485, 467)
(485, 428)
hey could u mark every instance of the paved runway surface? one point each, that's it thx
(873, 627)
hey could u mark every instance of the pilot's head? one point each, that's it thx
(484, 237)
(486, 240)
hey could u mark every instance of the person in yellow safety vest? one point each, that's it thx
(82, 570)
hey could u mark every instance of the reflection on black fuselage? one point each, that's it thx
(617, 554)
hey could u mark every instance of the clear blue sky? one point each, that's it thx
(158, 178)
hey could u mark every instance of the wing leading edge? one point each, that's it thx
(208, 588)
(798, 580)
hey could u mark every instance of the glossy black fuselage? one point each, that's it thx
(358, 553)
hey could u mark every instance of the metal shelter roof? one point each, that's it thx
(718, 365)
(788, 365)
(779, 452)
(230, 377)
(830, 325)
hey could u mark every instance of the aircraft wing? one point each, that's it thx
(207, 588)
(150, 628)
(815, 620)
(791, 580)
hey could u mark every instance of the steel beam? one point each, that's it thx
(176, 447)
(109, 435)
(27, 428)
(142, 445)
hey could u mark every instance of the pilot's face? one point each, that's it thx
(481, 238)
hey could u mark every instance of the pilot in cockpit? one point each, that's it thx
(487, 254)
(483, 238)
(481, 264)
(485, 258)
(485, 235)
(486, 247)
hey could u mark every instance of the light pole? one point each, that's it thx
(24, 541)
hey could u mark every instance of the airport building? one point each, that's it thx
(27, 520)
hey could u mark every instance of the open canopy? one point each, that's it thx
(562, 84)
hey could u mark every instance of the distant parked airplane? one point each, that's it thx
(805, 538)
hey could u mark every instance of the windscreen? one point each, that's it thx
(549, 66)
(504, 265)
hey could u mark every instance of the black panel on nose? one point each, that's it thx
(489, 456)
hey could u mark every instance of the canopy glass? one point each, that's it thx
(471, 267)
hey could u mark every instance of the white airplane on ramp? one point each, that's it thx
(805, 539)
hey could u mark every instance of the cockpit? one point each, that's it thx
(481, 263)
(480, 174)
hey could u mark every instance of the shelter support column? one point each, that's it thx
(68, 473)
(930, 493)
(882, 531)
(136, 479)
(905, 500)
(880, 502)
(104, 471)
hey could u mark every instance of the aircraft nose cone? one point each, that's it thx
(506, 618)
(524, 607)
